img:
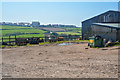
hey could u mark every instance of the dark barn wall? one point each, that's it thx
(105, 32)
(107, 17)
(118, 34)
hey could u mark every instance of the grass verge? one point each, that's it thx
(43, 43)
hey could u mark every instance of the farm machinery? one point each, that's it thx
(96, 41)
(24, 41)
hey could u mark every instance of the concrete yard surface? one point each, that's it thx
(58, 61)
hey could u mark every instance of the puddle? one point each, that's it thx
(65, 43)
(69, 43)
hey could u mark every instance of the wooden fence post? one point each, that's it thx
(9, 39)
(2, 39)
(15, 40)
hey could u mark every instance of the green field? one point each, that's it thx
(71, 31)
(21, 31)
(33, 32)
(74, 30)
(67, 33)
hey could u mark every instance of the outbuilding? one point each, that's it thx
(106, 23)
(108, 31)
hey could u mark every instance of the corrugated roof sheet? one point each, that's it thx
(109, 25)
(101, 14)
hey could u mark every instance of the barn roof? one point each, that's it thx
(101, 14)
(109, 25)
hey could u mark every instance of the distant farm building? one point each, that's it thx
(106, 25)
(35, 24)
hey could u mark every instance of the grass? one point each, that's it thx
(75, 30)
(25, 32)
(33, 32)
(71, 31)
(67, 33)
(110, 45)
(68, 30)
(25, 36)
(65, 41)
(43, 43)
(21, 31)
(116, 44)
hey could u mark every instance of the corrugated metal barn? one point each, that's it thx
(106, 21)
(109, 31)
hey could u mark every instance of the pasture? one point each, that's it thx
(29, 32)
(67, 33)
(63, 30)
(21, 31)
(34, 32)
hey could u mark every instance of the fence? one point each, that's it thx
(24, 41)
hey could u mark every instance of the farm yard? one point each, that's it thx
(60, 61)
(60, 40)
(56, 60)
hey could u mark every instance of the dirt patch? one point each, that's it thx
(54, 61)
(52, 29)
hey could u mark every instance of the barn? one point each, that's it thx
(108, 31)
(101, 25)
